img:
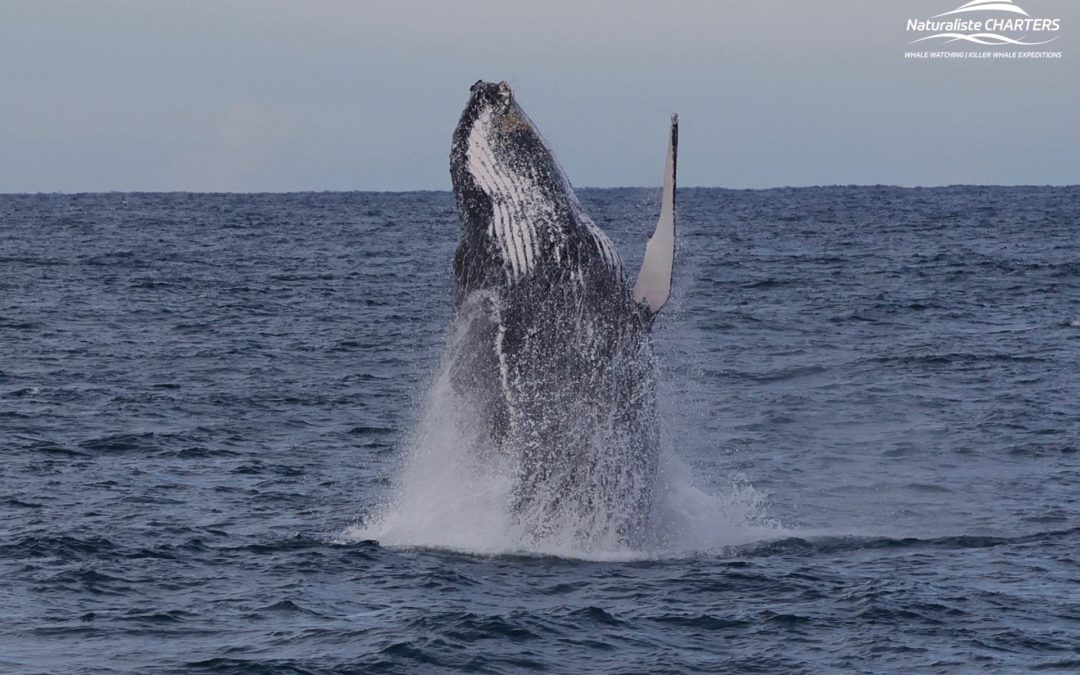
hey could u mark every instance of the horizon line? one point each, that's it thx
(617, 187)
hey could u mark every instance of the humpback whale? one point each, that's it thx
(555, 361)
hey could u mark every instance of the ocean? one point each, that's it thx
(214, 417)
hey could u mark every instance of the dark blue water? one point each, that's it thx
(206, 401)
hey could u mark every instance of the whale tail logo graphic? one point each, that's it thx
(986, 6)
(989, 39)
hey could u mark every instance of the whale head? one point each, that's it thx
(498, 157)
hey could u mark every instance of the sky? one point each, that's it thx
(267, 95)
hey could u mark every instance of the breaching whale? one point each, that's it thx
(554, 362)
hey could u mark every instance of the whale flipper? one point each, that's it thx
(653, 285)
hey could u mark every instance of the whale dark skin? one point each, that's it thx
(554, 359)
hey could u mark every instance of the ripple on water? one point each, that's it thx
(206, 401)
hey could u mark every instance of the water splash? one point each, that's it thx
(454, 492)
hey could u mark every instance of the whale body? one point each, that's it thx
(555, 359)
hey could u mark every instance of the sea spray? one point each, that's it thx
(451, 491)
(542, 431)
(455, 490)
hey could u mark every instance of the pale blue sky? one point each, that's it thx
(273, 96)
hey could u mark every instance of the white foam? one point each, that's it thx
(688, 519)
(455, 491)
(444, 497)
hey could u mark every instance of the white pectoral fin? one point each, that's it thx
(653, 285)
